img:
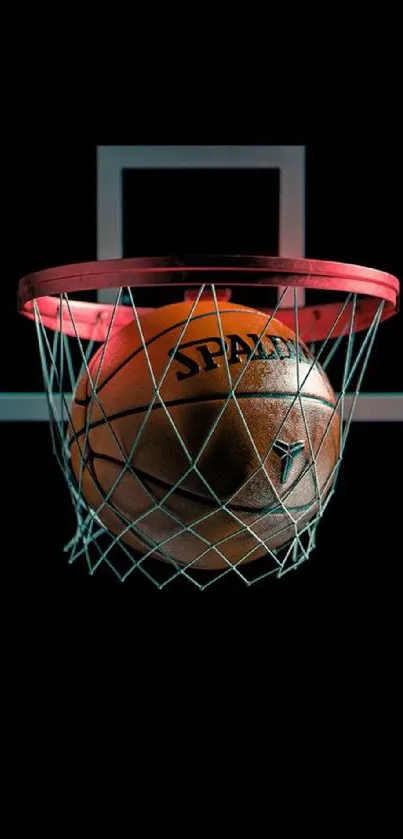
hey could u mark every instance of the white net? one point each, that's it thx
(64, 361)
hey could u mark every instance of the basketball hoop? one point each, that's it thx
(338, 336)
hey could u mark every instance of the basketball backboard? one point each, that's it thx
(113, 162)
(134, 182)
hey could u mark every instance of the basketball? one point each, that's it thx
(204, 440)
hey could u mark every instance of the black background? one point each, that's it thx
(339, 610)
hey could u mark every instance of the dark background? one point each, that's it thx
(340, 609)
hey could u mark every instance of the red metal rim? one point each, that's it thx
(91, 320)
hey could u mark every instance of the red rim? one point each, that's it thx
(92, 319)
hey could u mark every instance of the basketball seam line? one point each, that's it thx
(215, 397)
(110, 504)
(187, 493)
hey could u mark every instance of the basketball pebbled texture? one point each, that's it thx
(265, 504)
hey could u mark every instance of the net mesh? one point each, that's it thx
(64, 359)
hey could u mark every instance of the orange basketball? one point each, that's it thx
(210, 446)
